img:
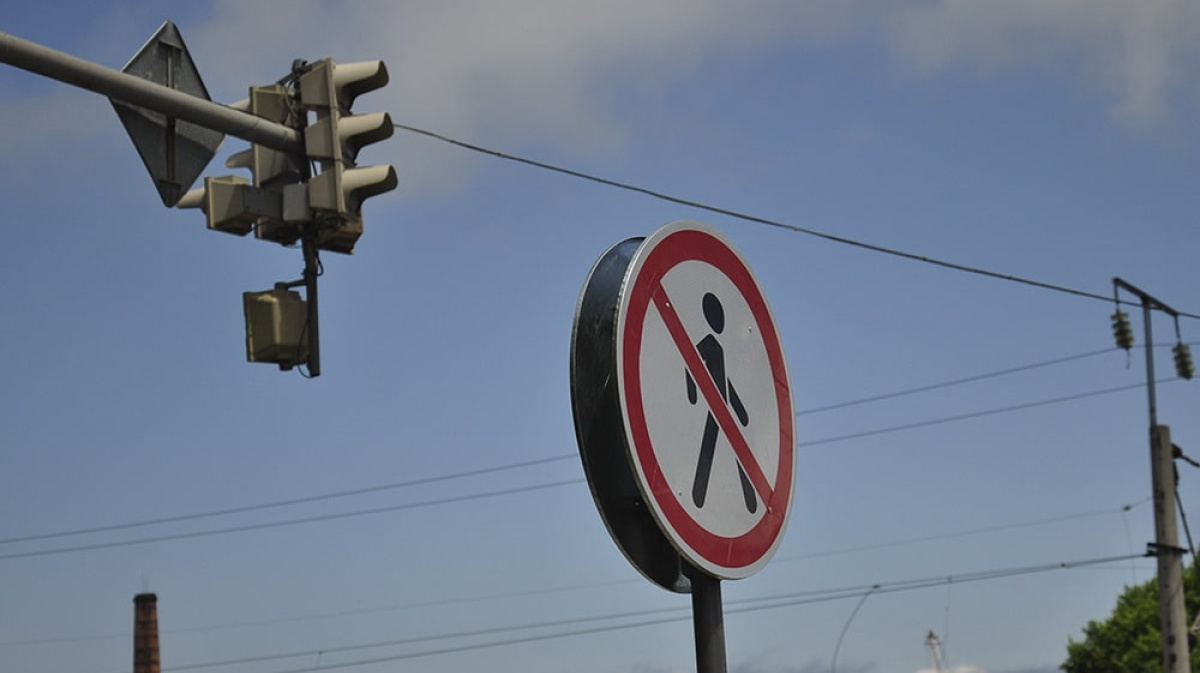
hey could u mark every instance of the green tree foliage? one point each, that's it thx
(1129, 641)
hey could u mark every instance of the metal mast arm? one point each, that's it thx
(136, 91)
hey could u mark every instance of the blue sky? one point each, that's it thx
(1045, 140)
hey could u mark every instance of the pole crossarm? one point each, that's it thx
(1148, 300)
(138, 92)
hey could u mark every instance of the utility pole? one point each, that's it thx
(1172, 617)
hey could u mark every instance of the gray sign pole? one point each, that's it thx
(136, 91)
(708, 622)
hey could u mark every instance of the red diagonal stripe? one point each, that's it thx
(716, 403)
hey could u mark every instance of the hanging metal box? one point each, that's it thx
(276, 327)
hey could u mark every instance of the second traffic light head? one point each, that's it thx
(232, 205)
(223, 201)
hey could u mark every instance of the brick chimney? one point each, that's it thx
(145, 634)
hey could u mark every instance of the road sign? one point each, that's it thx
(175, 151)
(676, 364)
(706, 399)
(599, 426)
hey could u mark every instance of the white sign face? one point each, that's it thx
(706, 400)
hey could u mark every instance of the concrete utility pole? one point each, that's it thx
(1172, 617)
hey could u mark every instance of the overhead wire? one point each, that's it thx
(691, 203)
(955, 382)
(739, 606)
(493, 469)
(978, 414)
(588, 585)
(290, 522)
(510, 466)
(440, 478)
(964, 533)
(288, 502)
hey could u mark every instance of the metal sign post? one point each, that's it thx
(708, 623)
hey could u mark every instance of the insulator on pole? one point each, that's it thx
(1121, 330)
(1184, 368)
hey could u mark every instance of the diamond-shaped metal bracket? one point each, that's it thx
(175, 151)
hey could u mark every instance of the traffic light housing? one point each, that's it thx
(272, 170)
(269, 167)
(276, 327)
(333, 139)
(232, 205)
(285, 202)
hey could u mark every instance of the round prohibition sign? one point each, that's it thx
(706, 400)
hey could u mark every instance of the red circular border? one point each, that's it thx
(676, 247)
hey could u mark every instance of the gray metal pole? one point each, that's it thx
(309, 243)
(138, 92)
(708, 620)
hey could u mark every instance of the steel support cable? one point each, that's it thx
(761, 220)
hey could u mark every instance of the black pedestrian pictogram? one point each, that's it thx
(714, 360)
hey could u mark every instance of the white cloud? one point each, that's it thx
(550, 71)
(508, 71)
(1139, 55)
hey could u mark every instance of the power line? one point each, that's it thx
(392, 508)
(536, 462)
(285, 503)
(290, 522)
(955, 382)
(978, 414)
(583, 586)
(740, 606)
(964, 533)
(762, 220)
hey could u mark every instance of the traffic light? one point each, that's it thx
(333, 139)
(269, 167)
(272, 170)
(231, 204)
(236, 205)
(276, 327)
